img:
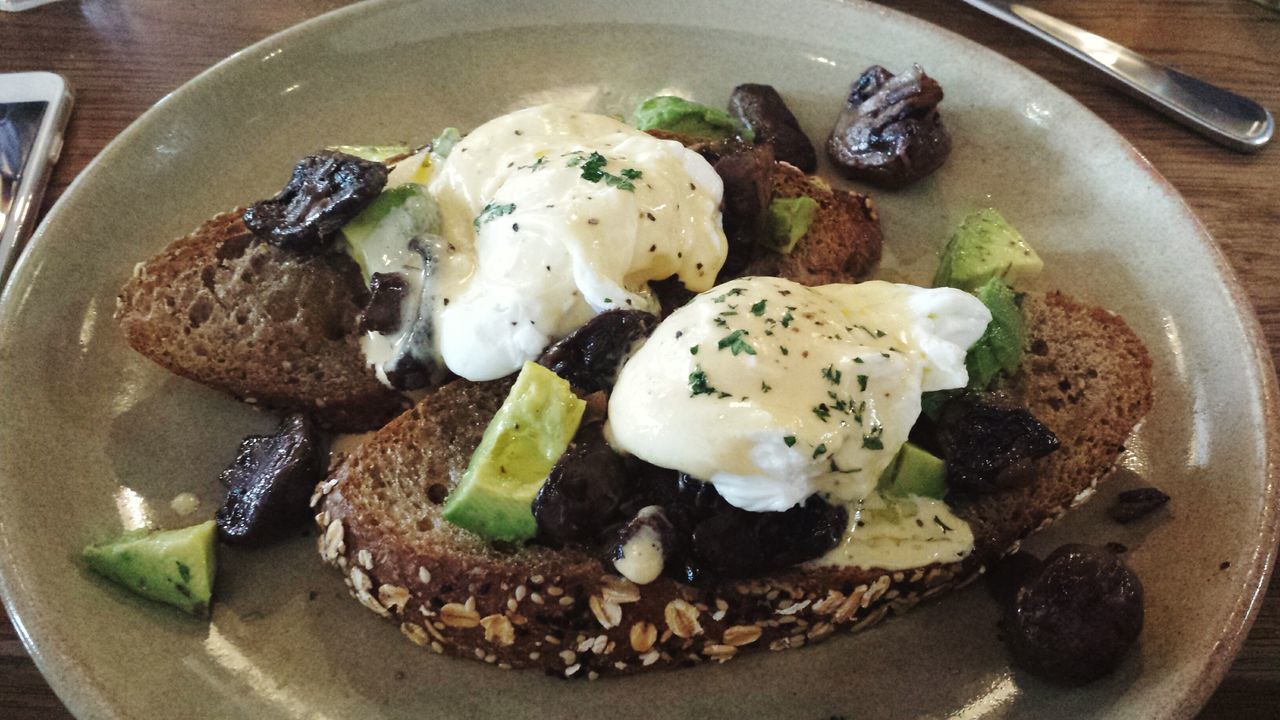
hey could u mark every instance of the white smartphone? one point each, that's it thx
(34, 108)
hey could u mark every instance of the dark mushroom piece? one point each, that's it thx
(989, 447)
(583, 492)
(761, 109)
(1136, 504)
(386, 296)
(327, 190)
(748, 186)
(270, 482)
(889, 132)
(589, 357)
(1074, 621)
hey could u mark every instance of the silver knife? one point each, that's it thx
(1237, 122)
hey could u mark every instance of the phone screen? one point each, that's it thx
(19, 124)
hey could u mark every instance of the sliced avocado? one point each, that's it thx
(1000, 347)
(376, 153)
(986, 246)
(443, 143)
(524, 439)
(788, 220)
(915, 471)
(685, 117)
(172, 566)
(383, 229)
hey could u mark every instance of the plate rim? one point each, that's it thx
(74, 683)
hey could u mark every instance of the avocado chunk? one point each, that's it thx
(170, 566)
(383, 229)
(443, 143)
(915, 471)
(685, 117)
(1000, 348)
(532, 429)
(788, 220)
(983, 247)
(376, 153)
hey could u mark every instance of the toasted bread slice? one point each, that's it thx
(269, 326)
(843, 240)
(1087, 377)
(279, 328)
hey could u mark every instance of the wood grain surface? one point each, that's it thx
(122, 57)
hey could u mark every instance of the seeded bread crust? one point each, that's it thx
(268, 326)
(1087, 377)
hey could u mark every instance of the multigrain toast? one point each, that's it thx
(280, 328)
(1086, 376)
(272, 327)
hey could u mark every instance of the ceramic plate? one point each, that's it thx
(94, 438)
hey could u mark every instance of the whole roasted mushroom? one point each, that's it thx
(889, 132)
(761, 109)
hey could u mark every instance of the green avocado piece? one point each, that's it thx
(171, 566)
(983, 247)
(1000, 348)
(523, 441)
(443, 143)
(376, 153)
(915, 471)
(384, 228)
(788, 220)
(685, 117)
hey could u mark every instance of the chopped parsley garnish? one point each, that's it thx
(693, 350)
(698, 384)
(619, 182)
(858, 360)
(822, 411)
(533, 166)
(819, 450)
(758, 308)
(765, 387)
(736, 344)
(784, 349)
(862, 382)
(721, 298)
(832, 375)
(593, 171)
(786, 319)
(492, 212)
(789, 440)
(728, 313)
(721, 322)
(871, 440)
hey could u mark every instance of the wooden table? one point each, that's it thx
(124, 56)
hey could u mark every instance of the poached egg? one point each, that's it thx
(550, 216)
(773, 391)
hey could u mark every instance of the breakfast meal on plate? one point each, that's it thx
(631, 400)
